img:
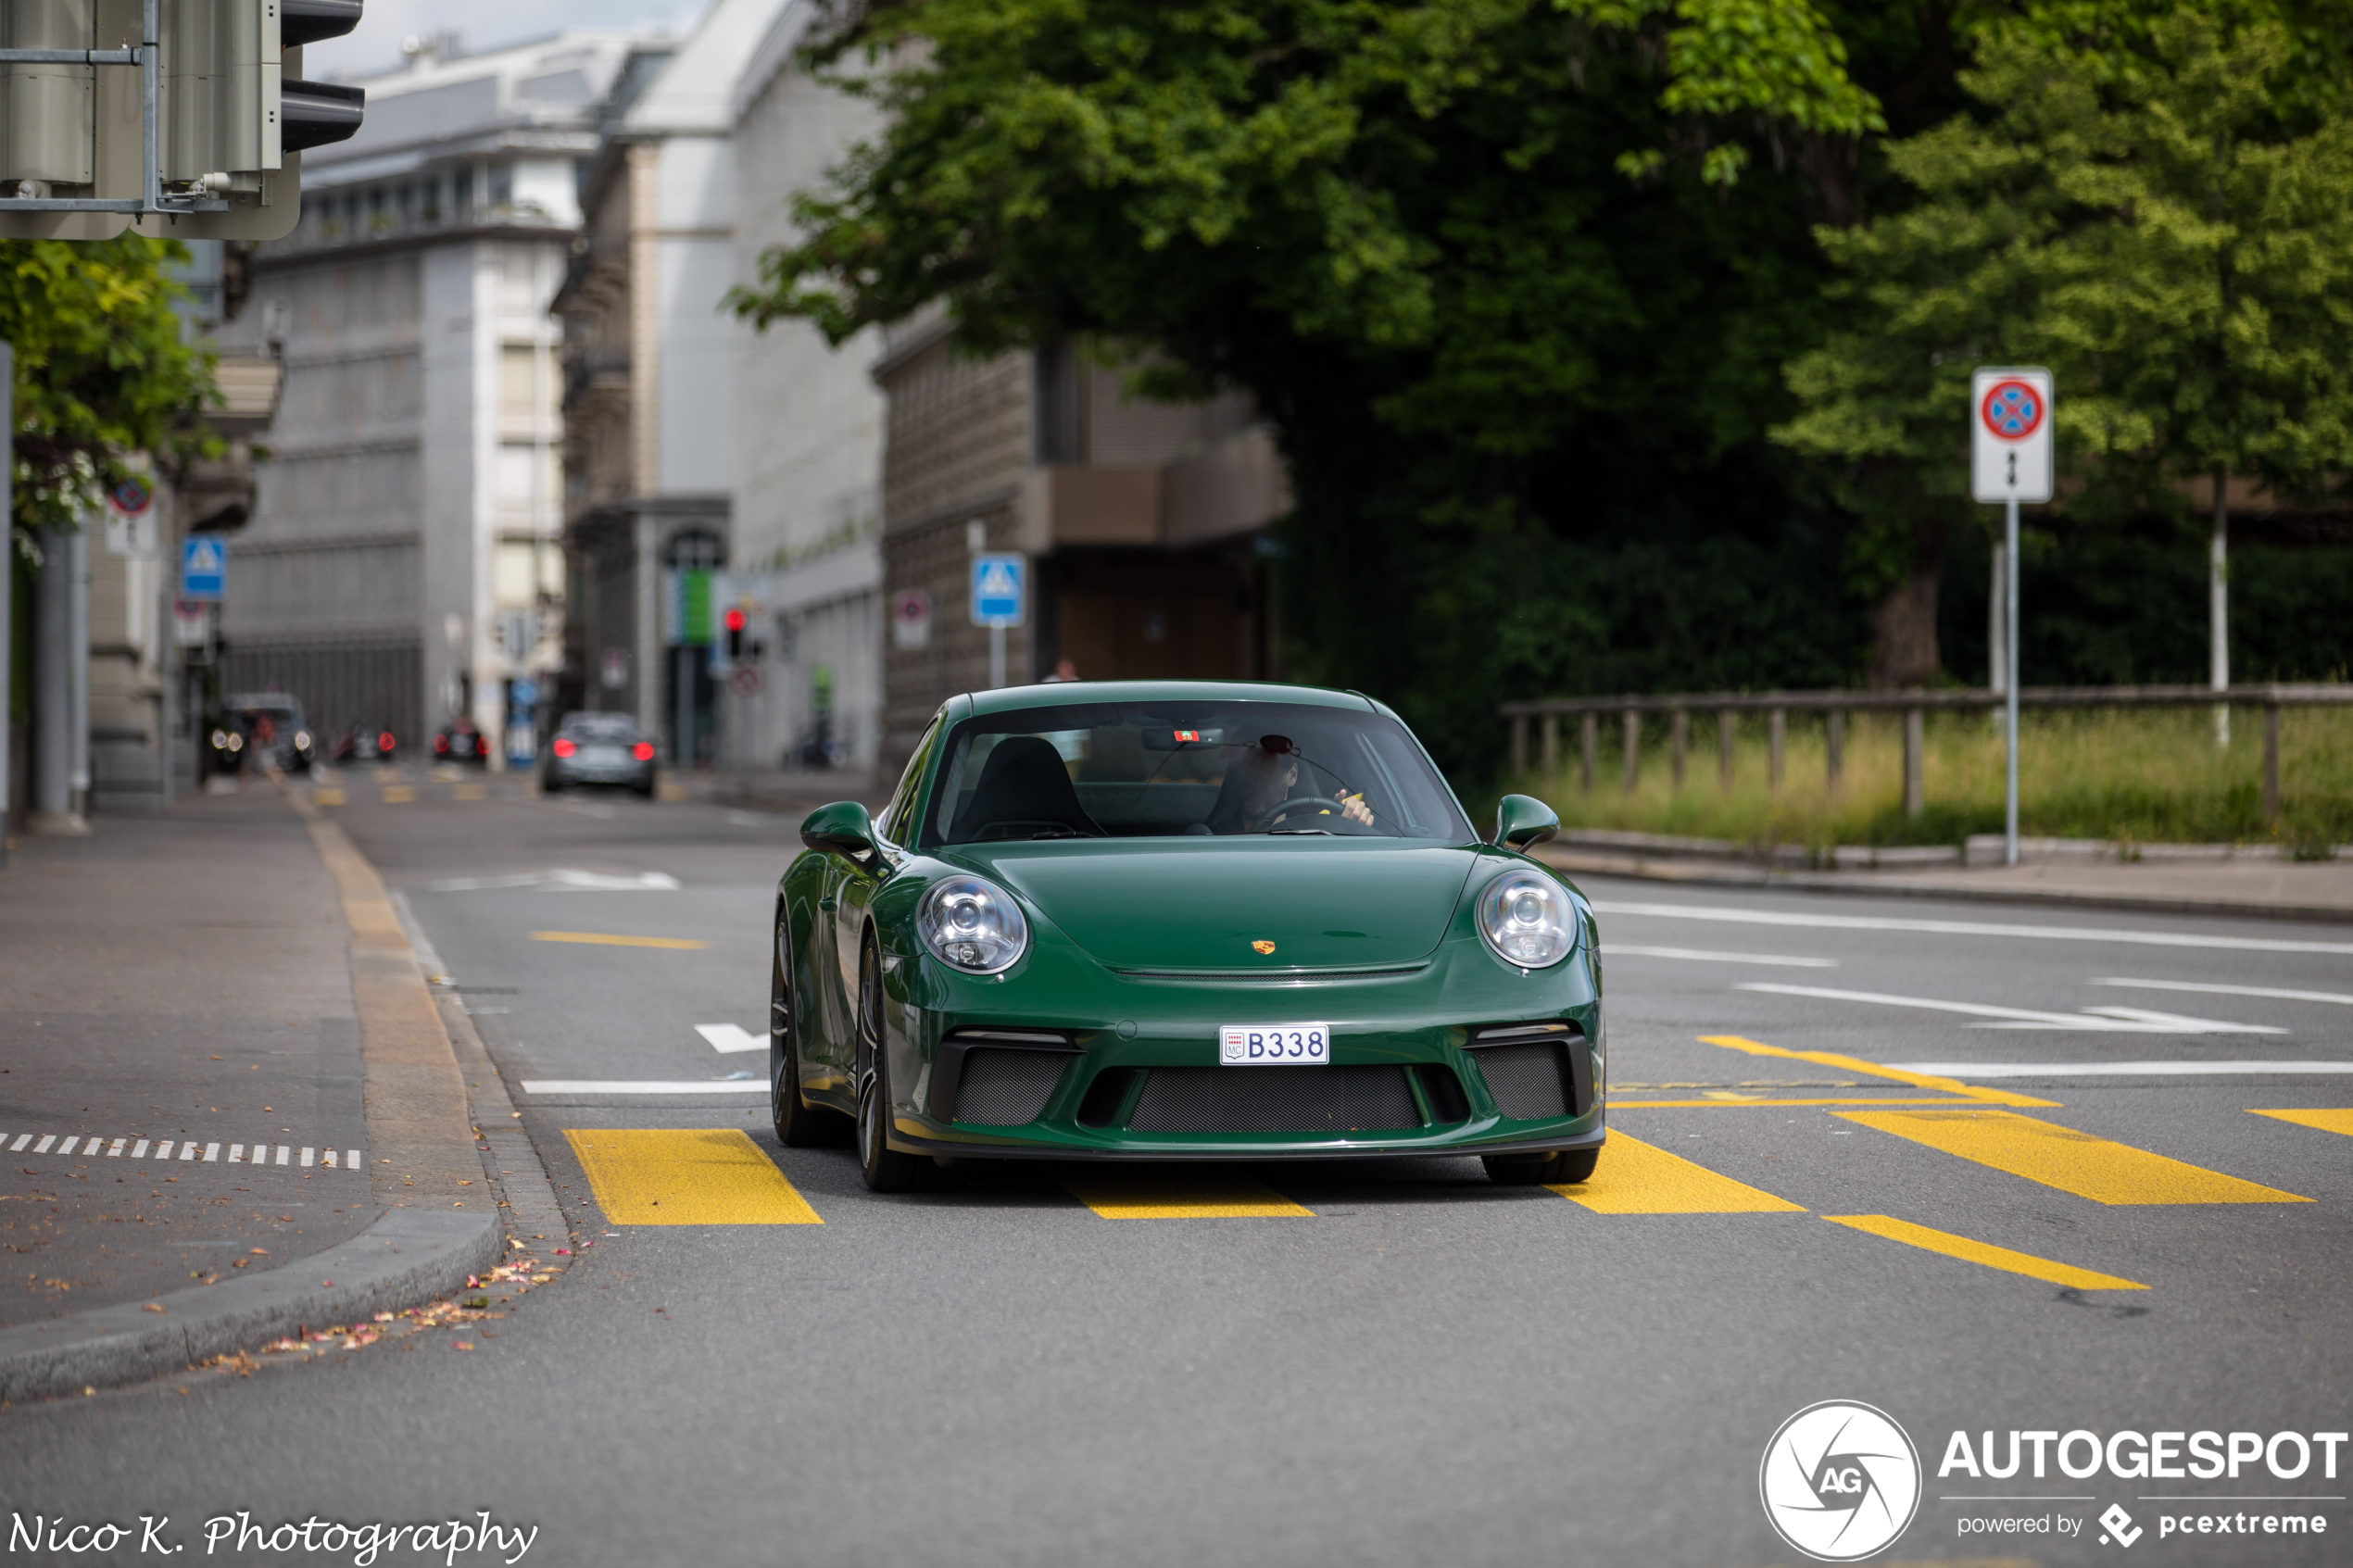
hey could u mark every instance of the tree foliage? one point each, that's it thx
(2175, 241)
(102, 371)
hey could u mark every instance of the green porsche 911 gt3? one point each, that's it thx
(1181, 920)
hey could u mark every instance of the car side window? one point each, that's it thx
(903, 800)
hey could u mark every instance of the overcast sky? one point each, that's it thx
(375, 44)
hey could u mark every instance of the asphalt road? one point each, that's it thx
(1384, 1363)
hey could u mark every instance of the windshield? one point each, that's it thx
(600, 726)
(1208, 769)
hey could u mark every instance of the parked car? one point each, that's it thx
(273, 728)
(600, 748)
(364, 743)
(460, 741)
(224, 743)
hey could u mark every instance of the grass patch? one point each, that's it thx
(2153, 776)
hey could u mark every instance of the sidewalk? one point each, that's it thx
(180, 992)
(2179, 882)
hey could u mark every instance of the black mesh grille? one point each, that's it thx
(1529, 1082)
(1007, 1088)
(1275, 1100)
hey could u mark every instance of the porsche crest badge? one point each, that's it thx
(1262, 945)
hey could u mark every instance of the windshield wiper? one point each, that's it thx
(1321, 832)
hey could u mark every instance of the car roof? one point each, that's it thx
(1054, 693)
(266, 699)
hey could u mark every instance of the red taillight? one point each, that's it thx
(643, 751)
(441, 742)
(564, 748)
(482, 745)
(384, 741)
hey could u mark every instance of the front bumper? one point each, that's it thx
(1423, 1024)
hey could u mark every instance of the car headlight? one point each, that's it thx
(219, 740)
(972, 926)
(1526, 919)
(302, 740)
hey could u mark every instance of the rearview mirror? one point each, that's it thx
(1522, 821)
(843, 828)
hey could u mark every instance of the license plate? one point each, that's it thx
(1274, 1044)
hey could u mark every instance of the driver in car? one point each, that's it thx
(1261, 792)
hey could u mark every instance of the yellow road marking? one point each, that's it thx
(687, 1176)
(2060, 1157)
(1855, 1064)
(1179, 1195)
(673, 791)
(2327, 1121)
(328, 796)
(1616, 1105)
(1637, 1178)
(470, 792)
(400, 795)
(1991, 1257)
(607, 939)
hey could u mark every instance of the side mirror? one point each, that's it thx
(843, 827)
(1522, 821)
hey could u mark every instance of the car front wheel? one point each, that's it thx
(1564, 1168)
(884, 1168)
(799, 1124)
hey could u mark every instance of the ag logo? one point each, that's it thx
(1840, 1481)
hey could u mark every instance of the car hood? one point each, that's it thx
(1194, 904)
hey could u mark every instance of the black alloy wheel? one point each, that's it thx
(884, 1168)
(799, 1124)
(1563, 1168)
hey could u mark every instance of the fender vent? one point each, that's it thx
(1007, 1088)
(1336, 1100)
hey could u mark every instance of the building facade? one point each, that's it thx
(403, 566)
(650, 397)
(1141, 522)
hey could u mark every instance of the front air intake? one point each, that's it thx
(1007, 1088)
(1333, 1100)
(1532, 1071)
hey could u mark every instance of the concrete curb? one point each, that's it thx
(406, 1256)
(1690, 875)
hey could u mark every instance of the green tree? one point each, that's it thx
(102, 370)
(2169, 227)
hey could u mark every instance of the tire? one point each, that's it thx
(1565, 1168)
(884, 1168)
(799, 1124)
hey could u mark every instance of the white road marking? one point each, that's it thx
(730, 1037)
(355, 1157)
(42, 1147)
(116, 1151)
(212, 1152)
(306, 1158)
(163, 1149)
(1968, 1070)
(1968, 928)
(140, 1152)
(1618, 949)
(236, 1154)
(560, 880)
(2337, 997)
(640, 1087)
(239, 1154)
(282, 1152)
(748, 820)
(2136, 1022)
(22, 1139)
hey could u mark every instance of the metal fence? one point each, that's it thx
(1835, 705)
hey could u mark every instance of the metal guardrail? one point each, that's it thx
(1914, 705)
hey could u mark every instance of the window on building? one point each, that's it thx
(519, 396)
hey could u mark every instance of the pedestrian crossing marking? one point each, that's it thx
(400, 795)
(166, 1149)
(2113, 1173)
(1855, 1064)
(1991, 1257)
(2327, 1121)
(1637, 1178)
(686, 1176)
(1133, 1194)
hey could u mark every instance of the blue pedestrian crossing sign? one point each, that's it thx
(204, 567)
(1000, 584)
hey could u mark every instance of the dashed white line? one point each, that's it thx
(2130, 1020)
(641, 1086)
(1968, 928)
(731, 1037)
(1965, 1071)
(1700, 955)
(2335, 997)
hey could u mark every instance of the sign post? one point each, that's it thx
(1001, 598)
(2010, 462)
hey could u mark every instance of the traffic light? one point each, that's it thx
(185, 119)
(735, 624)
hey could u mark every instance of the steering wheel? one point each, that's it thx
(1323, 804)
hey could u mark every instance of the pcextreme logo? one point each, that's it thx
(1840, 1481)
